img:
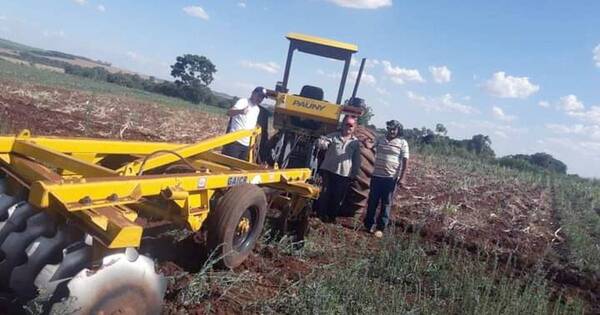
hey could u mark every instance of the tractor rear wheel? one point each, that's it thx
(236, 224)
(358, 194)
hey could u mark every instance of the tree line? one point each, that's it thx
(193, 74)
(478, 147)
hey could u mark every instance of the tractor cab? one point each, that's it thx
(306, 112)
(302, 116)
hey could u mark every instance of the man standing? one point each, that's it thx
(340, 165)
(243, 116)
(391, 162)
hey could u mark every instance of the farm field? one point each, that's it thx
(466, 237)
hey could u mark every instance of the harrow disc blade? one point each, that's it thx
(124, 284)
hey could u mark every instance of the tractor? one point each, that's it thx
(300, 119)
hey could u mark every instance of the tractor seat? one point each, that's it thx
(309, 91)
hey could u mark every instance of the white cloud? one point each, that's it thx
(544, 104)
(241, 4)
(590, 131)
(401, 75)
(506, 86)
(365, 78)
(101, 8)
(440, 74)
(331, 75)
(382, 101)
(501, 134)
(591, 116)
(80, 2)
(449, 103)
(501, 115)
(415, 97)
(444, 103)
(597, 55)
(54, 34)
(362, 4)
(570, 103)
(270, 67)
(382, 91)
(196, 11)
(371, 63)
(133, 55)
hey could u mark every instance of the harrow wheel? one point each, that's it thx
(43, 257)
(236, 224)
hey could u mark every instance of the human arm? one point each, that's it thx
(323, 142)
(401, 182)
(240, 107)
(401, 172)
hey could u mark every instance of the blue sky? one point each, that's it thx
(525, 73)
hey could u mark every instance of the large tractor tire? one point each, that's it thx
(45, 259)
(358, 194)
(236, 224)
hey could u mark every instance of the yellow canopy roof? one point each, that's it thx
(322, 41)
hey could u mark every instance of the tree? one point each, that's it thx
(441, 129)
(193, 70)
(481, 145)
(548, 162)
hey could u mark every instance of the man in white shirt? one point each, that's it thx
(391, 161)
(243, 116)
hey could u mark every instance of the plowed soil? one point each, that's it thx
(478, 214)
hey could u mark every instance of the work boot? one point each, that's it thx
(379, 234)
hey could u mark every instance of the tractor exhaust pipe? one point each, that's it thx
(360, 71)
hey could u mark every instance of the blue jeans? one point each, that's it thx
(382, 190)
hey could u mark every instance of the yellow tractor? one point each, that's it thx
(299, 119)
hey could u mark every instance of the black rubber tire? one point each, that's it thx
(6, 202)
(15, 245)
(16, 222)
(356, 198)
(224, 220)
(49, 252)
(31, 240)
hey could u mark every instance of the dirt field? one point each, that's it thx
(443, 204)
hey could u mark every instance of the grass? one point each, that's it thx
(403, 279)
(23, 73)
(577, 202)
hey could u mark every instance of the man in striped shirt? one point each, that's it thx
(391, 162)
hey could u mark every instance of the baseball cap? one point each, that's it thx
(259, 90)
(393, 124)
